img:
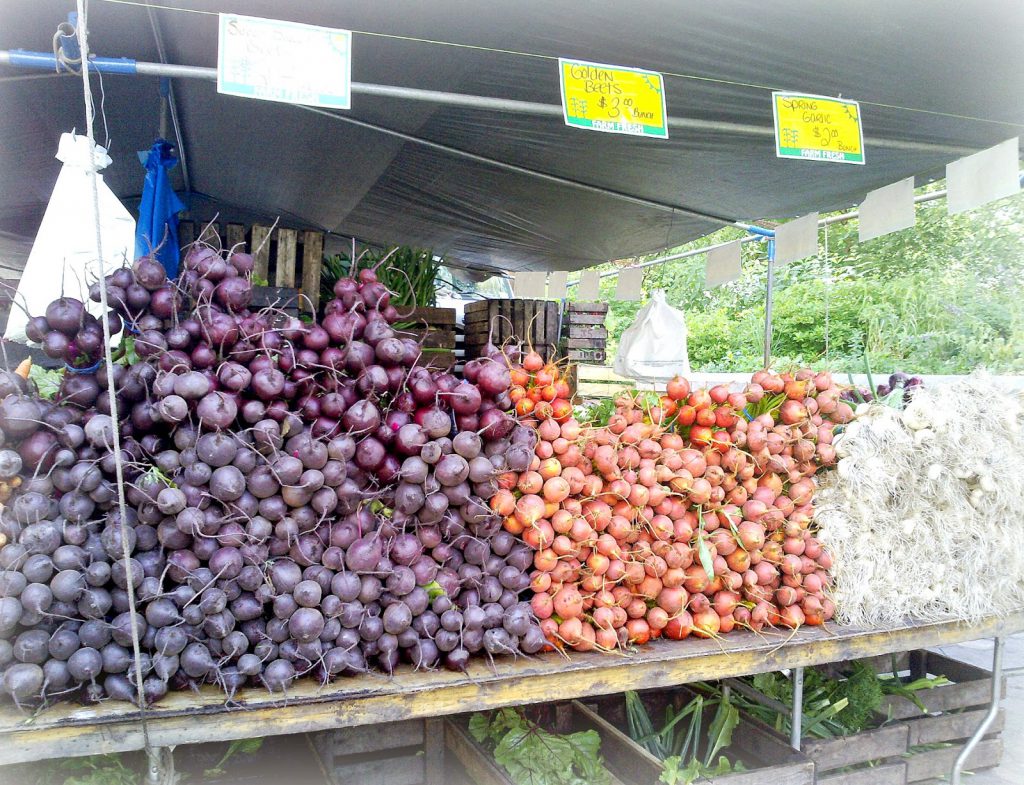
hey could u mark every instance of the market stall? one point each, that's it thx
(247, 523)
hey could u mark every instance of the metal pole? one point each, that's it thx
(673, 258)
(154, 767)
(488, 103)
(832, 219)
(796, 730)
(172, 104)
(768, 296)
(993, 710)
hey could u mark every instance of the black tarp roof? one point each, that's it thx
(936, 80)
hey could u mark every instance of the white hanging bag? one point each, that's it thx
(653, 348)
(63, 257)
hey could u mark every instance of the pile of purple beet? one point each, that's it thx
(302, 499)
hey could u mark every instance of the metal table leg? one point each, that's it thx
(798, 709)
(160, 765)
(993, 710)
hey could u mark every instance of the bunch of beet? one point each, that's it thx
(691, 513)
(302, 499)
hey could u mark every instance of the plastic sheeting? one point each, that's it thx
(321, 172)
(157, 230)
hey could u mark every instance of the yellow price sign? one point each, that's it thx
(613, 99)
(817, 128)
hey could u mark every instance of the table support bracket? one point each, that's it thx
(796, 725)
(993, 710)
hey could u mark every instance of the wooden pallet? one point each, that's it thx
(410, 752)
(282, 256)
(535, 323)
(766, 757)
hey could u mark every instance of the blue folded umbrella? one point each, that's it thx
(157, 229)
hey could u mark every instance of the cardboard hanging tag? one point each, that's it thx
(589, 287)
(630, 283)
(887, 210)
(556, 284)
(797, 239)
(723, 265)
(981, 178)
(530, 285)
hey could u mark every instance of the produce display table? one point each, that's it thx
(185, 718)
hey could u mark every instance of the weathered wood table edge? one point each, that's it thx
(67, 730)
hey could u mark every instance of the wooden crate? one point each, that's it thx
(435, 327)
(571, 349)
(584, 335)
(284, 257)
(767, 758)
(954, 712)
(894, 753)
(280, 297)
(836, 761)
(478, 766)
(535, 323)
(410, 752)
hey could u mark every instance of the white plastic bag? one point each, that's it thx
(63, 257)
(654, 346)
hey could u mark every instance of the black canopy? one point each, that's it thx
(936, 80)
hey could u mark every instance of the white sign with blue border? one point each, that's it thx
(286, 62)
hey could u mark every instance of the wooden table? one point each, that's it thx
(186, 718)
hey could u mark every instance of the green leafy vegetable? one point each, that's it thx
(893, 685)
(47, 381)
(681, 745)
(126, 352)
(769, 404)
(237, 747)
(89, 770)
(832, 707)
(533, 756)
(596, 413)
(408, 272)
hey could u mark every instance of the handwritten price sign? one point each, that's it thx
(613, 99)
(817, 128)
(284, 61)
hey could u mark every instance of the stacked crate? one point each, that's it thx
(410, 752)
(435, 329)
(282, 257)
(535, 324)
(584, 335)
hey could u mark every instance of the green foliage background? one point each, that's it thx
(944, 297)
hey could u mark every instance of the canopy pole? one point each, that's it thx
(768, 233)
(172, 103)
(124, 65)
(768, 297)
